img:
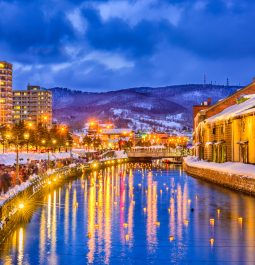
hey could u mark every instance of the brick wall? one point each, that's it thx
(237, 182)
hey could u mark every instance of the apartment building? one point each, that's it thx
(32, 105)
(5, 92)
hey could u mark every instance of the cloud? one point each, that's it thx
(136, 11)
(111, 61)
(78, 22)
(106, 44)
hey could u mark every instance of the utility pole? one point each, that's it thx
(204, 79)
(227, 82)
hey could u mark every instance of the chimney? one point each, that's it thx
(209, 101)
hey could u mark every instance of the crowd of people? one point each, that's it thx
(10, 176)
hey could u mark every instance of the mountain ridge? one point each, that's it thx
(160, 108)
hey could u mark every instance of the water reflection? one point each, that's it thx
(132, 214)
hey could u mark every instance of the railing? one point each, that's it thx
(154, 153)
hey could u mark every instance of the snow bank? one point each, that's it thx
(10, 158)
(228, 167)
(18, 188)
(120, 154)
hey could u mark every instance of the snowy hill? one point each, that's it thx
(161, 108)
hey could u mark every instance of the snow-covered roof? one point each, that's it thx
(245, 107)
(116, 131)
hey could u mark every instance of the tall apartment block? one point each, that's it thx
(32, 105)
(5, 92)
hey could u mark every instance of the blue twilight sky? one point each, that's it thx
(112, 44)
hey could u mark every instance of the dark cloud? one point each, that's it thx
(117, 35)
(31, 34)
(145, 42)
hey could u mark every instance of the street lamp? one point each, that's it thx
(48, 151)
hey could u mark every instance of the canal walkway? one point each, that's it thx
(232, 175)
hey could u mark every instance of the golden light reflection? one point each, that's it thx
(74, 215)
(49, 217)
(42, 236)
(66, 216)
(107, 211)
(151, 212)
(20, 246)
(131, 207)
(91, 219)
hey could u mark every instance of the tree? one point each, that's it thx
(97, 142)
(87, 140)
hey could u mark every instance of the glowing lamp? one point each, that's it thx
(21, 206)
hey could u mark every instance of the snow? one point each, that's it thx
(235, 110)
(150, 147)
(116, 131)
(18, 188)
(119, 111)
(9, 159)
(120, 154)
(143, 105)
(227, 167)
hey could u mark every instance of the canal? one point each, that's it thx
(136, 214)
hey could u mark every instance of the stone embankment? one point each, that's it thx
(243, 182)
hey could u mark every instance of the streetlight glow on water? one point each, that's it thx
(136, 214)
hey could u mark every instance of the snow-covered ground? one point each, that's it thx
(10, 158)
(120, 154)
(228, 167)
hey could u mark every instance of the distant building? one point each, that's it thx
(114, 138)
(5, 92)
(225, 131)
(197, 108)
(32, 105)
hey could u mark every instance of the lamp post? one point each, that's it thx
(54, 142)
(26, 136)
(69, 144)
(48, 151)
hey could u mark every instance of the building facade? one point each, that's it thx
(5, 92)
(32, 105)
(229, 134)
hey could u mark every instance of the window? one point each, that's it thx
(214, 130)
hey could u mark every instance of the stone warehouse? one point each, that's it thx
(225, 131)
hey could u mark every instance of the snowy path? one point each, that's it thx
(228, 167)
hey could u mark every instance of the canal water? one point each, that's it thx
(135, 214)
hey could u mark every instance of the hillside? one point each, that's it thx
(161, 108)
